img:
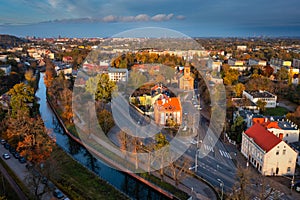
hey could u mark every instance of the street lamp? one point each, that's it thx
(221, 185)
(196, 161)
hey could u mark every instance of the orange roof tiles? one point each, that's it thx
(169, 104)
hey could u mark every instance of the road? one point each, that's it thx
(214, 160)
(20, 171)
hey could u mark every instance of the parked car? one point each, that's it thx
(58, 194)
(22, 159)
(296, 186)
(6, 146)
(3, 141)
(6, 156)
(16, 155)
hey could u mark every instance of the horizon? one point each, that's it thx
(195, 18)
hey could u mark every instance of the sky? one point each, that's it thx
(195, 18)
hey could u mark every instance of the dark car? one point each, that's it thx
(22, 159)
(6, 146)
(12, 150)
(16, 155)
(296, 186)
(58, 194)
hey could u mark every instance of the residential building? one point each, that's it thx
(167, 108)
(117, 74)
(241, 47)
(296, 63)
(252, 62)
(238, 65)
(214, 65)
(281, 128)
(256, 95)
(277, 64)
(6, 69)
(267, 153)
(186, 82)
(296, 147)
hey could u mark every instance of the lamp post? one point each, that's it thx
(196, 159)
(222, 185)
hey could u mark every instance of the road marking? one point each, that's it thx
(221, 152)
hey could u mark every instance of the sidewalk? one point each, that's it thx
(191, 185)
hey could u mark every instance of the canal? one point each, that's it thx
(121, 181)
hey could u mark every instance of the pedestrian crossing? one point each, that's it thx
(222, 153)
(208, 148)
(225, 154)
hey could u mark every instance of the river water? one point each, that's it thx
(121, 181)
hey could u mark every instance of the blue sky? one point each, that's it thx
(196, 18)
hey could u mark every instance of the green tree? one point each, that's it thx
(22, 96)
(101, 87)
(261, 105)
(282, 74)
(2, 73)
(136, 79)
(237, 128)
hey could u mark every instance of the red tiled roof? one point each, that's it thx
(170, 104)
(262, 137)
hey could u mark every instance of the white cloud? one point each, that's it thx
(162, 17)
(180, 17)
(110, 18)
(142, 17)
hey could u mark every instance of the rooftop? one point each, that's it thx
(260, 94)
(262, 137)
(169, 104)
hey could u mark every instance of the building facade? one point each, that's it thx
(256, 95)
(270, 155)
(167, 108)
(186, 82)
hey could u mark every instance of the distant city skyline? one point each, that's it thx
(195, 18)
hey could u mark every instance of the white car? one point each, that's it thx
(6, 156)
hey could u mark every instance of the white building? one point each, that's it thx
(267, 153)
(265, 96)
(117, 74)
(241, 47)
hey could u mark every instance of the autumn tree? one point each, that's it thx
(106, 120)
(29, 136)
(179, 169)
(239, 88)
(282, 74)
(161, 148)
(22, 96)
(242, 185)
(231, 76)
(29, 76)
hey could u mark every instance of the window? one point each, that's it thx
(288, 169)
(283, 152)
(277, 152)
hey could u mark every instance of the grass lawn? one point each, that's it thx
(78, 182)
(278, 111)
